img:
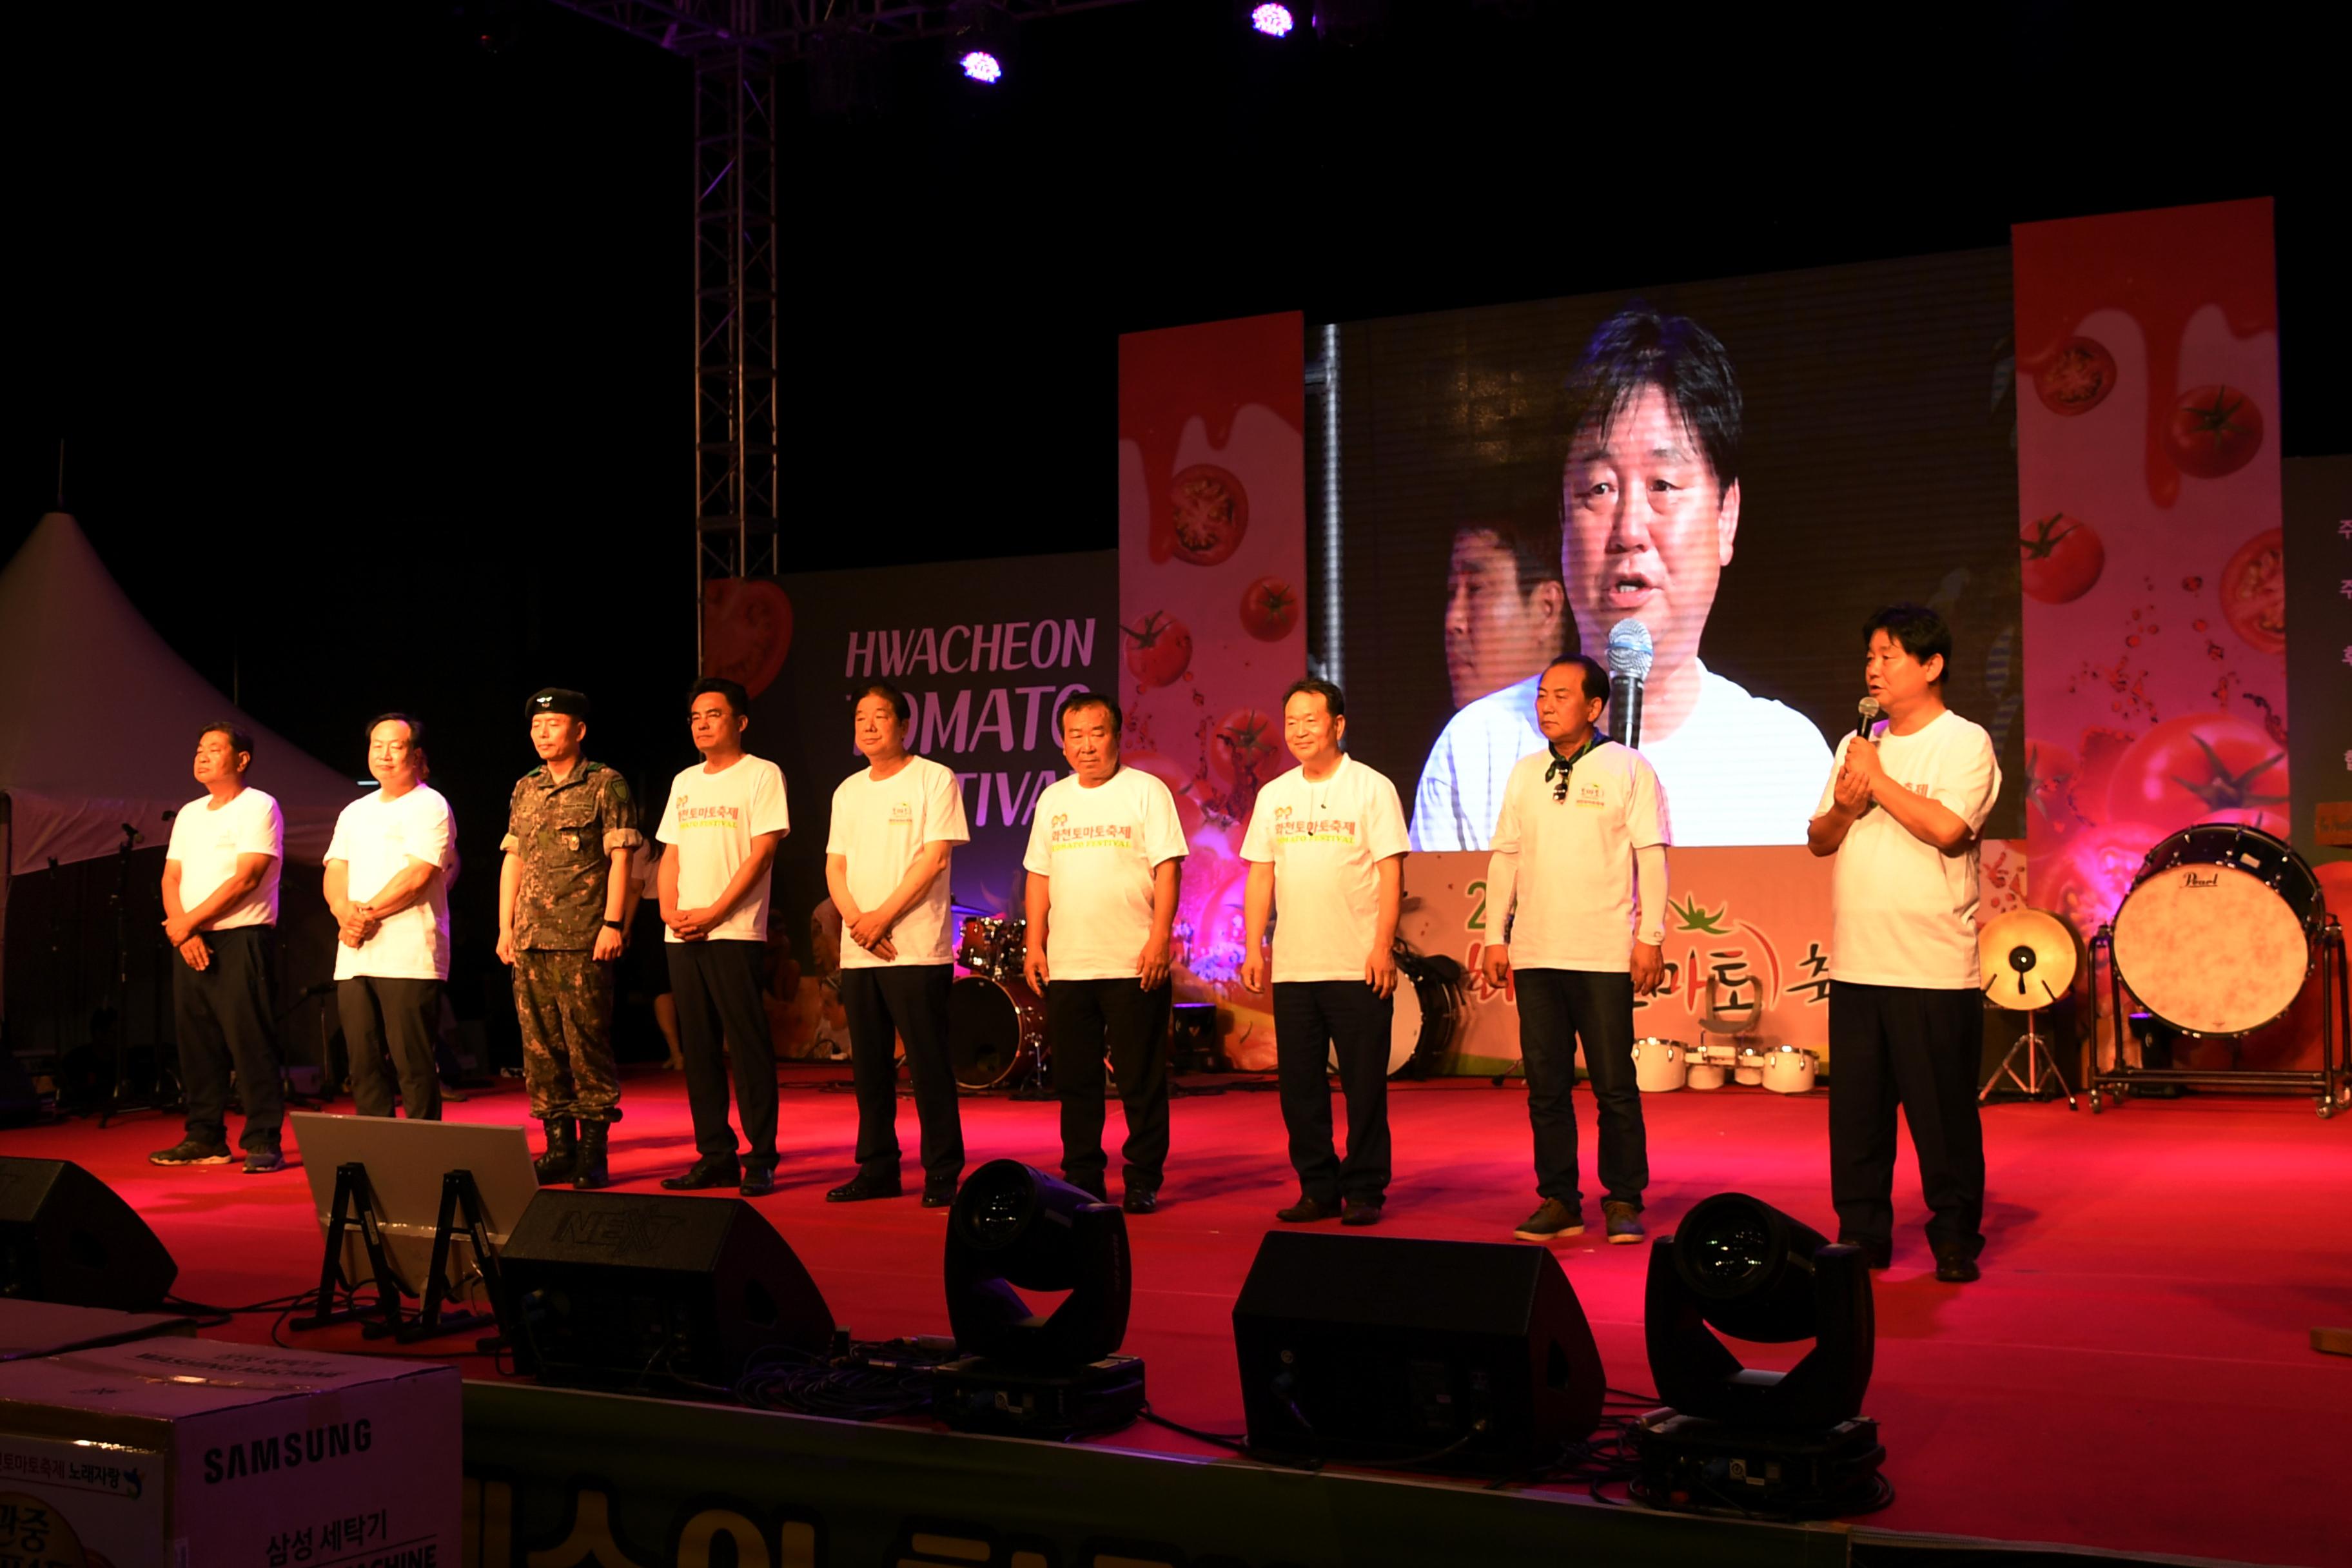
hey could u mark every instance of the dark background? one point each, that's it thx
(1877, 462)
(368, 342)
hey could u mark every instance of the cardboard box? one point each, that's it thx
(192, 1454)
(30, 1328)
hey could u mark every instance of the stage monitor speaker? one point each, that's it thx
(66, 1236)
(1448, 1354)
(645, 1291)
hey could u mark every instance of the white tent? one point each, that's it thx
(70, 777)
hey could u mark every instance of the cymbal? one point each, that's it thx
(2027, 958)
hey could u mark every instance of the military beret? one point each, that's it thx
(556, 700)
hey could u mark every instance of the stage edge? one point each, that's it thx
(555, 1477)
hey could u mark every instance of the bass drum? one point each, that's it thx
(2218, 935)
(996, 1029)
(1427, 1010)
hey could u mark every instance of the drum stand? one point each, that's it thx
(2038, 1056)
(2333, 1078)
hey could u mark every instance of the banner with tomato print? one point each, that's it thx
(1211, 575)
(2150, 541)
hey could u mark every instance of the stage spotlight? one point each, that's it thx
(1013, 1226)
(1274, 21)
(1793, 1445)
(1017, 1372)
(981, 40)
(1741, 1267)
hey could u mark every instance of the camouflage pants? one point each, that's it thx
(564, 1003)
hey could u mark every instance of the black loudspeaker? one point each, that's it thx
(1451, 1354)
(66, 1236)
(626, 1290)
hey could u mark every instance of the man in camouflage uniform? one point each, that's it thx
(570, 825)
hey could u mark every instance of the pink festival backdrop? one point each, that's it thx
(1212, 585)
(2149, 536)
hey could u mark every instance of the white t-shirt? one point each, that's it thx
(1740, 769)
(712, 817)
(1570, 862)
(376, 838)
(1903, 912)
(206, 841)
(1325, 842)
(1101, 848)
(880, 826)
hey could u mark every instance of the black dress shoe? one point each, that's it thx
(939, 1194)
(860, 1187)
(710, 1170)
(1363, 1211)
(758, 1182)
(1306, 1211)
(1140, 1200)
(1957, 1269)
(1095, 1188)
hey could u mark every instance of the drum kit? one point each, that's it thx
(2223, 927)
(1662, 1066)
(996, 1023)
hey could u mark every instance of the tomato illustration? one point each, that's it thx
(2201, 767)
(2088, 880)
(1269, 609)
(2215, 430)
(747, 630)
(1160, 651)
(2050, 773)
(2078, 377)
(1179, 781)
(2063, 557)
(1211, 513)
(1245, 743)
(2254, 593)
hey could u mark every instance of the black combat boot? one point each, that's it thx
(589, 1171)
(555, 1165)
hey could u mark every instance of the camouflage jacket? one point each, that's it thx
(562, 836)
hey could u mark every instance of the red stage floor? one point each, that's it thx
(2134, 1372)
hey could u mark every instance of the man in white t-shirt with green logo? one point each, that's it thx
(387, 885)
(220, 914)
(719, 831)
(895, 824)
(1581, 846)
(1902, 813)
(1106, 851)
(1325, 850)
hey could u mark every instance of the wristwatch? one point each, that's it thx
(612, 925)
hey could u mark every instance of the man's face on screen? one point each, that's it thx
(1496, 636)
(1646, 532)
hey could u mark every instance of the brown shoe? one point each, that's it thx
(1552, 1220)
(1624, 1223)
(1306, 1211)
(1363, 1211)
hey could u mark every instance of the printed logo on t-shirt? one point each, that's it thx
(707, 816)
(1293, 827)
(902, 811)
(1590, 793)
(1061, 836)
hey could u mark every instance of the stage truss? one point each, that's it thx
(735, 47)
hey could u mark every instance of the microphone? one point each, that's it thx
(1868, 708)
(1630, 656)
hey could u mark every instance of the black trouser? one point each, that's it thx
(1557, 1008)
(1082, 1018)
(224, 1019)
(908, 1001)
(1312, 1019)
(723, 1023)
(1918, 1047)
(405, 1014)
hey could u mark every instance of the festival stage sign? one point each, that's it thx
(986, 651)
(1747, 948)
(1212, 579)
